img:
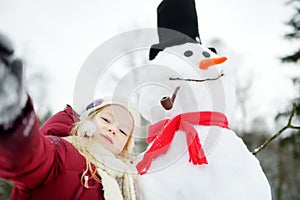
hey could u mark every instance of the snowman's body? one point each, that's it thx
(232, 171)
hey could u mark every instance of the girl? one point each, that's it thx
(93, 163)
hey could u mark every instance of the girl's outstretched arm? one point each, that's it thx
(26, 157)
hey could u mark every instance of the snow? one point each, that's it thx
(232, 171)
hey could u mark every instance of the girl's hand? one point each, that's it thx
(12, 94)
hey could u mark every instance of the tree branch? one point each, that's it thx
(198, 80)
(288, 126)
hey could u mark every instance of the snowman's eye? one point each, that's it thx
(206, 54)
(188, 53)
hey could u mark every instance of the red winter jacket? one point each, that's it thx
(43, 166)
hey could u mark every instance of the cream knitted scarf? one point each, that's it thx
(117, 177)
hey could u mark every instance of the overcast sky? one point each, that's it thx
(55, 37)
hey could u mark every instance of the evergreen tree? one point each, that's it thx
(288, 176)
(294, 57)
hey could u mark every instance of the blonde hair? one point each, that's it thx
(125, 155)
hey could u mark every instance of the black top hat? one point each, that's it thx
(177, 24)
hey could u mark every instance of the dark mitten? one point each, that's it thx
(12, 94)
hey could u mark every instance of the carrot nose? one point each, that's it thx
(208, 62)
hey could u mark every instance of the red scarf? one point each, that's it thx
(163, 132)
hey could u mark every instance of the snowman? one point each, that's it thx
(192, 152)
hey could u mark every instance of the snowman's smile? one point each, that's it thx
(197, 80)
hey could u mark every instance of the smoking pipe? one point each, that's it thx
(167, 102)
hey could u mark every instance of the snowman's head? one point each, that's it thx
(200, 74)
(179, 54)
